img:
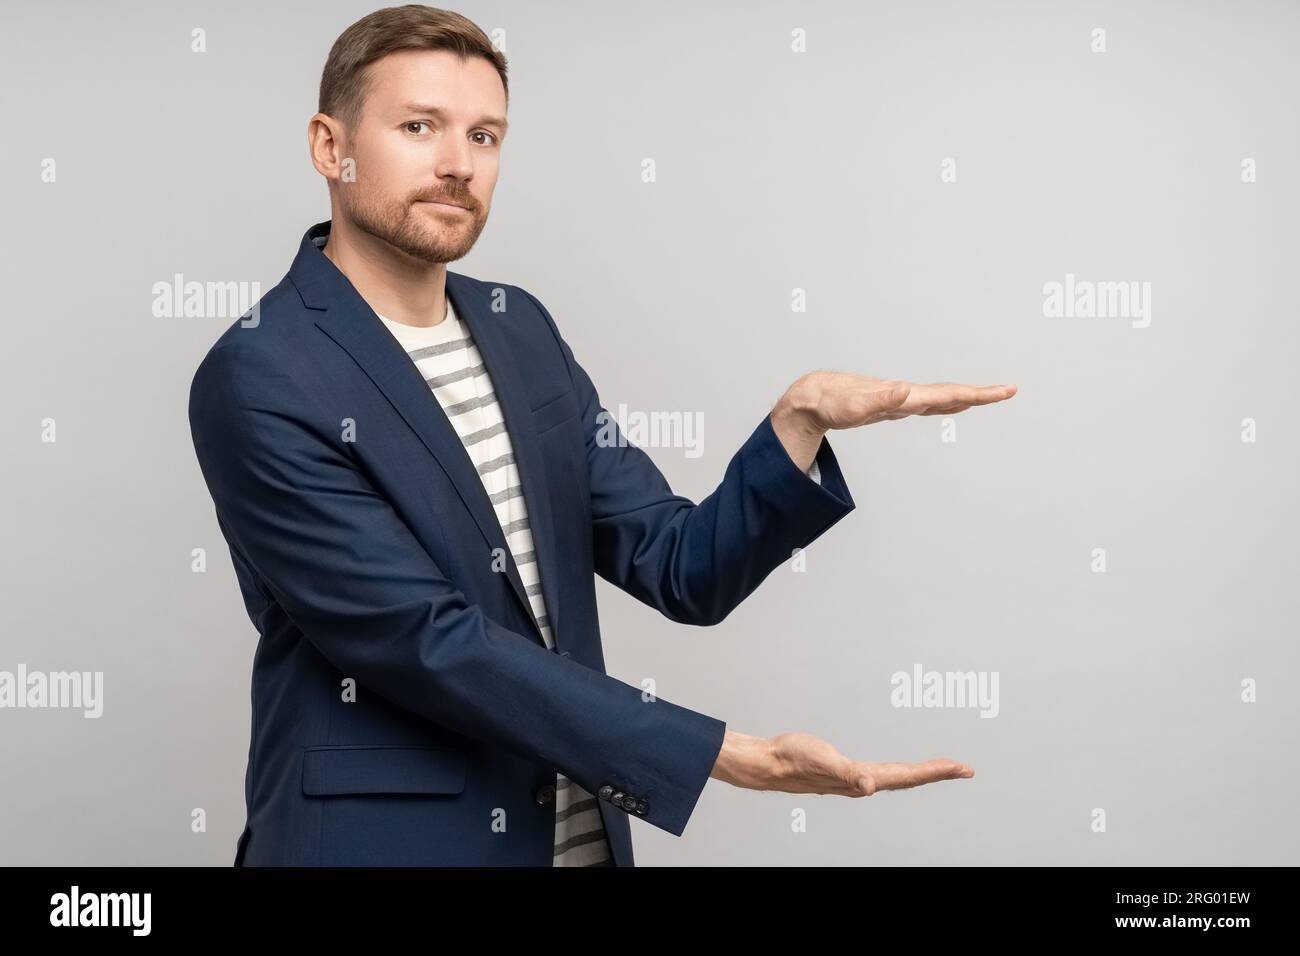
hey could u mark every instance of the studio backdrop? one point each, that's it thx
(1086, 593)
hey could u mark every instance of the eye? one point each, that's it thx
(415, 123)
(483, 132)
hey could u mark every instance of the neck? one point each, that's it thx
(397, 285)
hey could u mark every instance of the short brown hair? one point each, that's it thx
(345, 79)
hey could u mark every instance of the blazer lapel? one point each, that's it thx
(345, 317)
(502, 363)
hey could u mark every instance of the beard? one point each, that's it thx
(421, 231)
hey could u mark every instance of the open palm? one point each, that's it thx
(848, 400)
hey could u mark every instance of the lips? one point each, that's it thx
(443, 202)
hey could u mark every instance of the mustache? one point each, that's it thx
(456, 199)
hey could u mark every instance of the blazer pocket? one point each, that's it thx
(331, 770)
(554, 411)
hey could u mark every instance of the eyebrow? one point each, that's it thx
(497, 121)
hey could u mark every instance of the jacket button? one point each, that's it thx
(616, 798)
(629, 802)
(545, 794)
(643, 807)
(605, 792)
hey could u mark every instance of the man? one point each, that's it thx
(415, 478)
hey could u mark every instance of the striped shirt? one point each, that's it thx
(447, 358)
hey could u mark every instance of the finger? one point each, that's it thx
(903, 776)
(987, 394)
(859, 780)
(890, 395)
(952, 393)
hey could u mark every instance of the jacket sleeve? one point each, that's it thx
(696, 563)
(350, 575)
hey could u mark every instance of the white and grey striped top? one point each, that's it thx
(446, 356)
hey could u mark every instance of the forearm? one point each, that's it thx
(696, 563)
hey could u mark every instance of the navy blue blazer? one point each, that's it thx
(405, 708)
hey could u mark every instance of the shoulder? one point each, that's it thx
(257, 350)
(498, 297)
(277, 315)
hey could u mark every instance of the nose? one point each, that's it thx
(454, 161)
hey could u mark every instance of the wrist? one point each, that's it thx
(744, 761)
(795, 422)
(801, 400)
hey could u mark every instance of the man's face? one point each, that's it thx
(431, 129)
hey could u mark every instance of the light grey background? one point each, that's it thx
(776, 170)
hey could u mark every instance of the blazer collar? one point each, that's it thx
(343, 315)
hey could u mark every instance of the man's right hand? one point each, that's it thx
(802, 763)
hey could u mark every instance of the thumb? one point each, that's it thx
(893, 395)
